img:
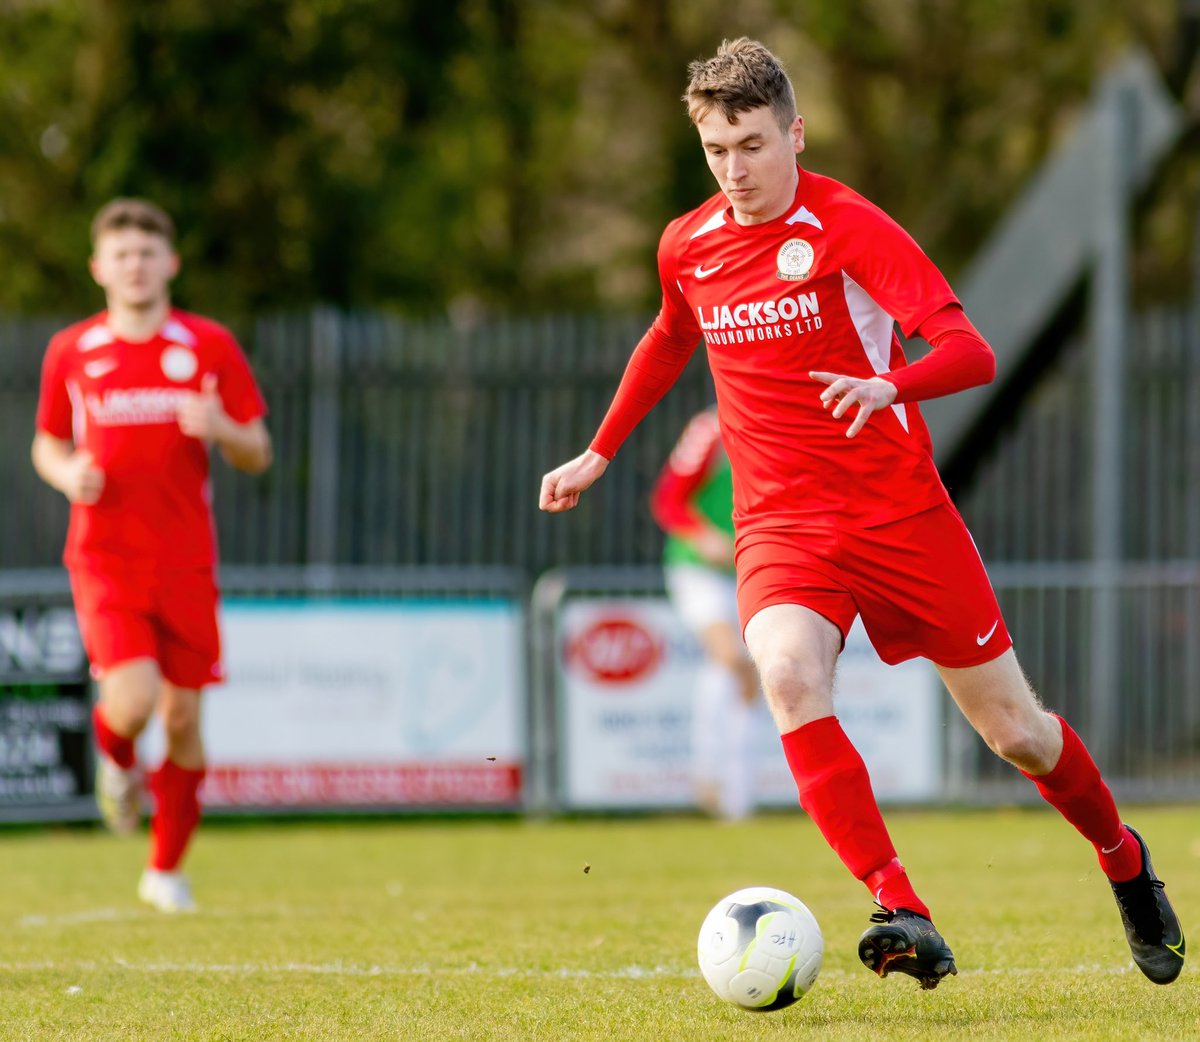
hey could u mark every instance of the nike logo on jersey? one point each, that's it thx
(702, 272)
(100, 367)
(983, 638)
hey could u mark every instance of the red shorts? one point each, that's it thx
(918, 584)
(168, 616)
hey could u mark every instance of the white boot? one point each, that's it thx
(167, 891)
(119, 794)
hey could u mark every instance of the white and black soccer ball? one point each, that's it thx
(760, 948)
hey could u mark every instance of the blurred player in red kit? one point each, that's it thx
(131, 401)
(794, 282)
(692, 502)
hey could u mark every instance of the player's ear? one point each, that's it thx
(797, 134)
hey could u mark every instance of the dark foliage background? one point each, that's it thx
(484, 156)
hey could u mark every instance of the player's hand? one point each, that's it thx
(748, 687)
(715, 546)
(82, 480)
(561, 487)
(844, 391)
(201, 414)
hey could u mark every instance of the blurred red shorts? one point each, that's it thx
(918, 584)
(168, 616)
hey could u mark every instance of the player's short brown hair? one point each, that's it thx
(741, 76)
(142, 214)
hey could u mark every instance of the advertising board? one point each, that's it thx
(366, 703)
(626, 670)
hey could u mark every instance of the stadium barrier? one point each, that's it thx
(46, 760)
(351, 690)
(614, 671)
(1147, 743)
(403, 690)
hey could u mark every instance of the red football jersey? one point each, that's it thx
(818, 288)
(696, 460)
(118, 400)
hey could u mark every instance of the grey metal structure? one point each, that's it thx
(1104, 600)
(1068, 223)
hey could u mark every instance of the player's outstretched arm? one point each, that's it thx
(73, 473)
(561, 487)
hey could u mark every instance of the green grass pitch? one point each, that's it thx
(480, 930)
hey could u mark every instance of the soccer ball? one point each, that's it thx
(760, 948)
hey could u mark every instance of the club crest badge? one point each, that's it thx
(795, 260)
(178, 363)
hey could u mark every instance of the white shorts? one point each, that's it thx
(702, 596)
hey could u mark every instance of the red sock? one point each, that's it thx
(835, 790)
(1077, 791)
(176, 814)
(115, 746)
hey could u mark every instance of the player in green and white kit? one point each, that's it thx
(693, 503)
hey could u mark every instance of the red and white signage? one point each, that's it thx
(616, 649)
(627, 670)
(353, 703)
(322, 785)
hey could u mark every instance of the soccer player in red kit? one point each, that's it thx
(131, 400)
(692, 501)
(794, 283)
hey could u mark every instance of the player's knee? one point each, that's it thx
(1019, 741)
(180, 723)
(128, 710)
(129, 693)
(795, 682)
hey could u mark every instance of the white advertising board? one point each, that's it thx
(626, 670)
(358, 703)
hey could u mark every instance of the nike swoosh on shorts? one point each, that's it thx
(983, 638)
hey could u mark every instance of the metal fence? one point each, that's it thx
(1030, 498)
(421, 443)
(1114, 644)
(1147, 738)
(402, 442)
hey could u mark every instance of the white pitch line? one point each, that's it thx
(342, 969)
(337, 969)
(95, 915)
(141, 912)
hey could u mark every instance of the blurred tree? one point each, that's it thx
(948, 107)
(277, 132)
(485, 155)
